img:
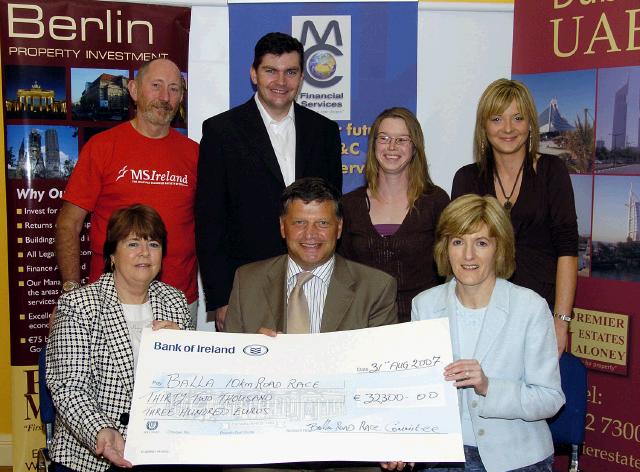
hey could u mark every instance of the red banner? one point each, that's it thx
(65, 68)
(581, 61)
(552, 35)
(91, 34)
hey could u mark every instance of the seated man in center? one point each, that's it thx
(310, 289)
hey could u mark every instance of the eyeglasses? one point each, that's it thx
(399, 141)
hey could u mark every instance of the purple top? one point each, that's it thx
(407, 254)
(386, 229)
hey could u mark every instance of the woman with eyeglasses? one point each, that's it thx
(390, 222)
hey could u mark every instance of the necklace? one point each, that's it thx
(507, 204)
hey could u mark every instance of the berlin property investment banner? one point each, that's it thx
(65, 69)
(581, 61)
(360, 58)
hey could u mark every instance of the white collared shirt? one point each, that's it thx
(315, 289)
(282, 135)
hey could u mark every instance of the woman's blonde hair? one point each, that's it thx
(466, 215)
(495, 100)
(419, 180)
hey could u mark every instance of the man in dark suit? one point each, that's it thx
(341, 295)
(248, 155)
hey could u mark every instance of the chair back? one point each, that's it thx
(47, 410)
(567, 426)
(47, 413)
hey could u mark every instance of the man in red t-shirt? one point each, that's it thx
(141, 161)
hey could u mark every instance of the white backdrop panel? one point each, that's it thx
(462, 48)
(208, 65)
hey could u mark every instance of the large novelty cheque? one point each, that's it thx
(375, 394)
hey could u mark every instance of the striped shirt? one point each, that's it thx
(315, 289)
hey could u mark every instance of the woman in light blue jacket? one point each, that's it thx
(504, 345)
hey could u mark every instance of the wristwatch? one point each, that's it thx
(564, 317)
(70, 285)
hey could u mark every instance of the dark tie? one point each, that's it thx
(298, 321)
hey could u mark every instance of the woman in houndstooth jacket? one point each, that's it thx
(92, 351)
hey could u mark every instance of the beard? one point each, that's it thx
(157, 112)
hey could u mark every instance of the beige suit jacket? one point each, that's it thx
(358, 297)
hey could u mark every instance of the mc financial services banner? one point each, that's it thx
(65, 69)
(580, 58)
(360, 58)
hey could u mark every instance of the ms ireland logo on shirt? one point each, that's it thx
(152, 177)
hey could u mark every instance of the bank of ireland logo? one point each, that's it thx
(255, 350)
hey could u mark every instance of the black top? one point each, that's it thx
(239, 186)
(407, 254)
(544, 220)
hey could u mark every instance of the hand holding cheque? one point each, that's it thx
(364, 395)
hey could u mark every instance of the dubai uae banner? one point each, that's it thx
(581, 60)
(65, 68)
(360, 58)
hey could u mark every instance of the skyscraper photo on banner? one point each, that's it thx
(580, 61)
(360, 58)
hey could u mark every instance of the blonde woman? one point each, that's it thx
(505, 365)
(534, 190)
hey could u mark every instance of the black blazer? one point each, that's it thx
(239, 186)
